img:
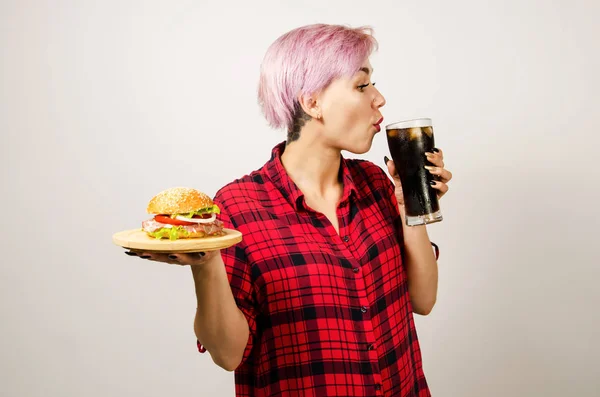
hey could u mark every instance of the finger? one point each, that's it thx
(175, 259)
(390, 166)
(156, 257)
(446, 175)
(443, 174)
(435, 159)
(192, 258)
(195, 258)
(181, 259)
(439, 152)
(441, 187)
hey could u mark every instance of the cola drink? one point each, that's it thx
(408, 141)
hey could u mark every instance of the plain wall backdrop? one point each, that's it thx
(104, 104)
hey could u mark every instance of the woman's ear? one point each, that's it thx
(310, 106)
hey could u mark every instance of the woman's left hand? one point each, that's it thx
(441, 175)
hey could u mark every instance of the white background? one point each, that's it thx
(104, 104)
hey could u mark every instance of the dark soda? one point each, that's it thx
(407, 147)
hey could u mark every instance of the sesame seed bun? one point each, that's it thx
(178, 200)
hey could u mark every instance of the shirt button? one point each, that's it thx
(364, 309)
(371, 347)
(356, 270)
(378, 387)
(346, 239)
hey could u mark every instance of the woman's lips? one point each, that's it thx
(377, 125)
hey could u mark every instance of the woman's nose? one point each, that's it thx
(379, 100)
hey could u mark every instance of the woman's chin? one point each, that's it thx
(361, 148)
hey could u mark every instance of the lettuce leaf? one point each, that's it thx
(170, 232)
(208, 210)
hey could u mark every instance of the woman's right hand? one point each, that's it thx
(188, 259)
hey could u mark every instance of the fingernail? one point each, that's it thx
(432, 183)
(130, 253)
(385, 158)
(430, 168)
(172, 256)
(436, 150)
(145, 256)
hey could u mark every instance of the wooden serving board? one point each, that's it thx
(136, 239)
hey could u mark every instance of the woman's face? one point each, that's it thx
(350, 112)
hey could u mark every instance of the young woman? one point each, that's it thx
(318, 298)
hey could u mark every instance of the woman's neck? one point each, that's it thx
(313, 167)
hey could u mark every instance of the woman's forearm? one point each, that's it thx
(421, 267)
(219, 324)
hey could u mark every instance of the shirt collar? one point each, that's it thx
(280, 178)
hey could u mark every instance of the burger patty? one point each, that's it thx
(210, 229)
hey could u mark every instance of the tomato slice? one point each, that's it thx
(167, 219)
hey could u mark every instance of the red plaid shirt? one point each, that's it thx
(329, 314)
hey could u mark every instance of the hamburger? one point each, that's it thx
(182, 212)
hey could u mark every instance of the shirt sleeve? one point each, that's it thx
(240, 280)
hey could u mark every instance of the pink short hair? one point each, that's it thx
(305, 61)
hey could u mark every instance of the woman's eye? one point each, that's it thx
(361, 88)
